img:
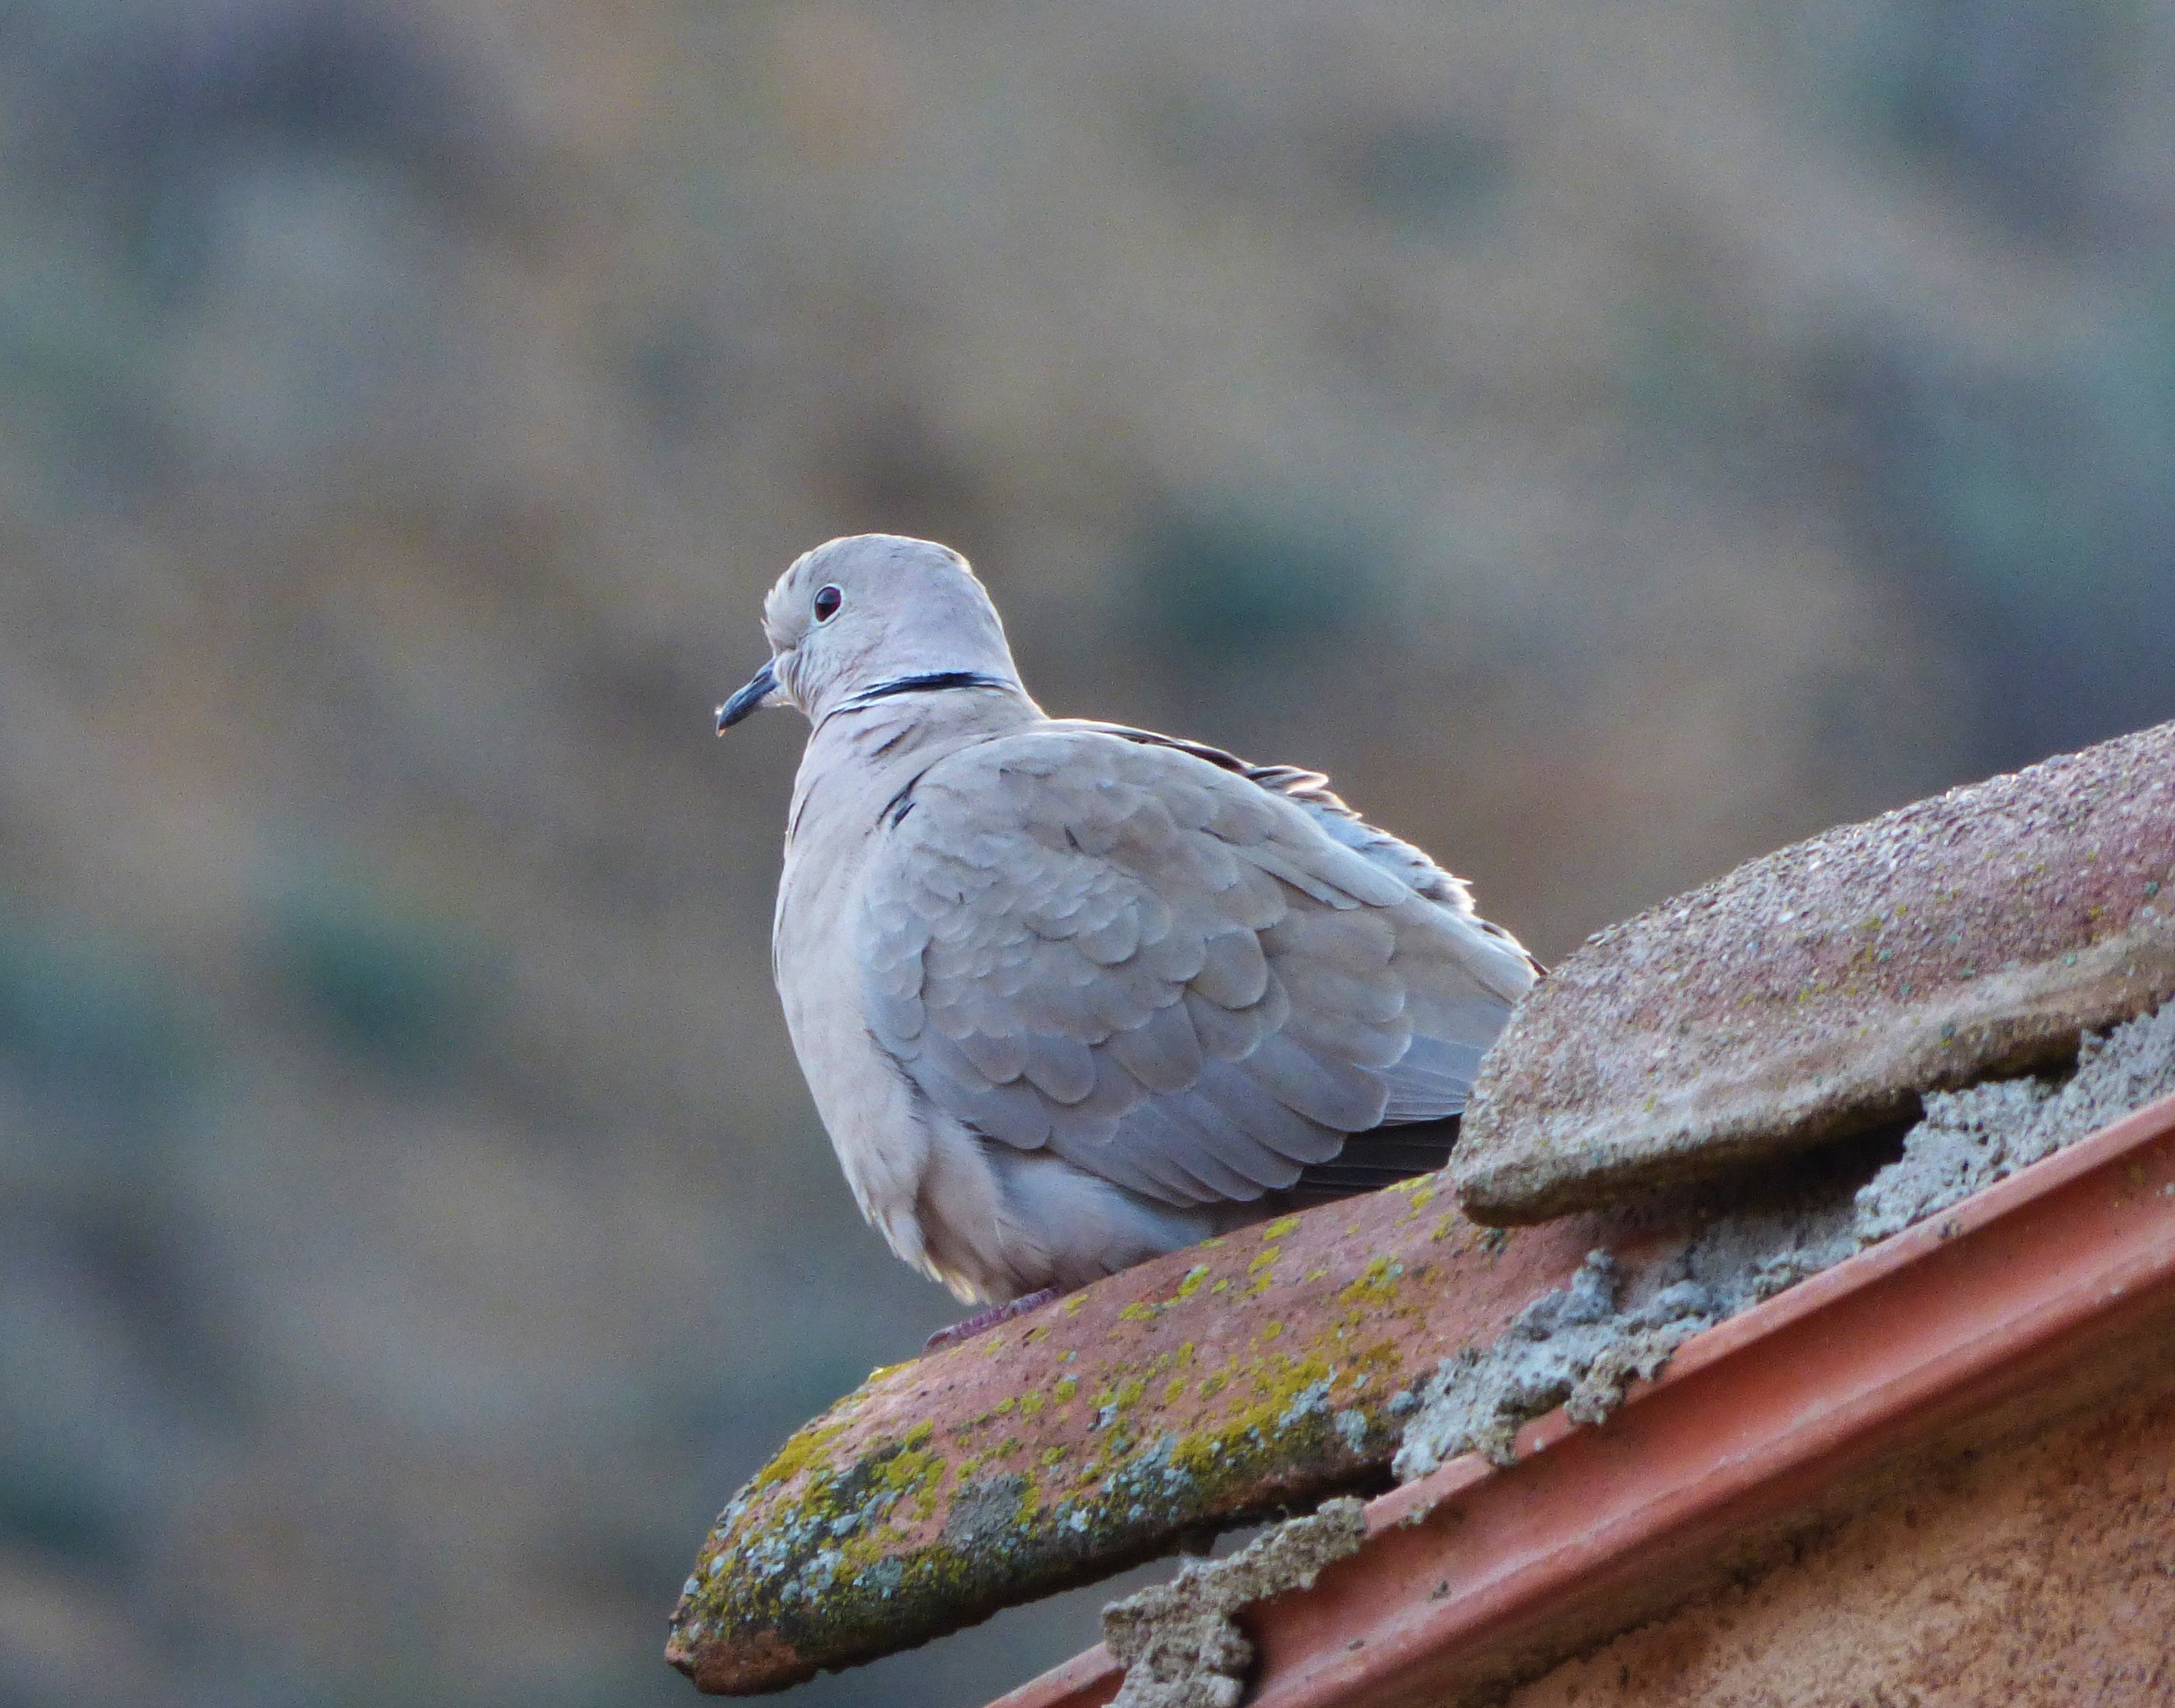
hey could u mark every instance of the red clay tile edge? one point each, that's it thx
(1751, 1421)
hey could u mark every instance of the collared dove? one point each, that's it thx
(1068, 994)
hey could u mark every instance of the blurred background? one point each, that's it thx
(1613, 441)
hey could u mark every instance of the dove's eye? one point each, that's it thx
(828, 601)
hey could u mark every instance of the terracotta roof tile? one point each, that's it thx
(1822, 988)
(2039, 1295)
(1257, 1372)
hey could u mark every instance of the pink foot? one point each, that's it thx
(985, 1319)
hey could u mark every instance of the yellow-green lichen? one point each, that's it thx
(1377, 1284)
(804, 1448)
(847, 1562)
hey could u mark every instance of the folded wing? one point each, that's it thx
(1191, 979)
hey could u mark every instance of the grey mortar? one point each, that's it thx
(1575, 1346)
(1973, 1137)
(1572, 1347)
(1181, 1647)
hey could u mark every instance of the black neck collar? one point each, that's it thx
(930, 682)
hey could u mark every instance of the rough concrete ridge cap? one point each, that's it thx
(2031, 1298)
(1821, 989)
(1193, 1393)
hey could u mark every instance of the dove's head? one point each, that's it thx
(871, 615)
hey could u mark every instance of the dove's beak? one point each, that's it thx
(755, 694)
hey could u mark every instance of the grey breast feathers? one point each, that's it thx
(1191, 977)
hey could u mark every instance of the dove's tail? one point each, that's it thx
(1370, 1161)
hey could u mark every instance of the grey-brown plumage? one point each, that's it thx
(1068, 994)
